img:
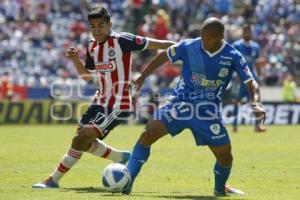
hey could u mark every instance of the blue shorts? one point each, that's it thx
(207, 129)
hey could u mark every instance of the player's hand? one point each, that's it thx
(72, 53)
(137, 81)
(259, 112)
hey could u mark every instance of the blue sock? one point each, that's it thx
(221, 176)
(139, 156)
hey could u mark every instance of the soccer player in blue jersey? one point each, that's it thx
(250, 51)
(208, 64)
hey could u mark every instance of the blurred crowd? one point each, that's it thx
(35, 33)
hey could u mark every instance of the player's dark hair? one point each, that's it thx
(213, 24)
(99, 12)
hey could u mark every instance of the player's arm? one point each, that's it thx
(173, 53)
(131, 42)
(157, 61)
(72, 53)
(254, 92)
(252, 86)
(158, 44)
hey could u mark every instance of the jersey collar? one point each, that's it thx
(216, 52)
(246, 43)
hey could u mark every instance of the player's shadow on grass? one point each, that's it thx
(86, 190)
(196, 197)
(191, 197)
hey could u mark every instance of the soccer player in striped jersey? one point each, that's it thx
(108, 60)
(208, 64)
(250, 50)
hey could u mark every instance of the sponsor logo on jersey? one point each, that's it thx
(225, 62)
(111, 52)
(201, 80)
(226, 57)
(223, 72)
(105, 67)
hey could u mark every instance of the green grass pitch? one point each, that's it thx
(266, 166)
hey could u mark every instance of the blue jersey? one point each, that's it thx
(204, 75)
(249, 50)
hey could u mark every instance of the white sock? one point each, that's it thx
(67, 162)
(99, 148)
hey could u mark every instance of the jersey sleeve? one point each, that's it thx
(175, 52)
(241, 67)
(131, 42)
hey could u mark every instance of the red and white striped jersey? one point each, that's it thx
(111, 62)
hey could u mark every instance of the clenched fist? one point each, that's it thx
(72, 53)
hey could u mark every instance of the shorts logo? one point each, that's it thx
(111, 53)
(105, 67)
(223, 72)
(215, 129)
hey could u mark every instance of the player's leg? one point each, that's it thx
(90, 138)
(100, 149)
(222, 166)
(95, 129)
(235, 115)
(86, 140)
(154, 130)
(212, 132)
(222, 170)
(67, 162)
(164, 122)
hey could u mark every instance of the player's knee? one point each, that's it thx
(153, 131)
(83, 139)
(146, 138)
(225, 159)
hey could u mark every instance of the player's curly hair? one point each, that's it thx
(99, 12)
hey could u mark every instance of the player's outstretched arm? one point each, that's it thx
(159, 44)
(72, 53)
(254, 92)
(157, 61)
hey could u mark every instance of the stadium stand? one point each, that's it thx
(34, 34)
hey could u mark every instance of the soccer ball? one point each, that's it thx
(115, 177)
